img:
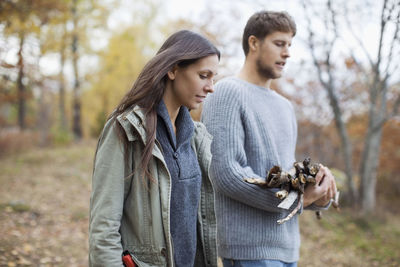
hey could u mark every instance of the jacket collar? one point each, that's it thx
(133, 121)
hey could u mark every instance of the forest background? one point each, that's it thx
(64, 66)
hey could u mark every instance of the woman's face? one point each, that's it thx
(191, 84)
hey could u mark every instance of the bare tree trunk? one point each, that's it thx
(20, 85)
(44, 115)
(63, 120)
(324, 67)
(345, 144)
(378, 112)
(370, 157)
(76, 109)
(368, 171)
(382, 70)
(369, 160)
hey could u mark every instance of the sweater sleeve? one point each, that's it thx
(223, 115)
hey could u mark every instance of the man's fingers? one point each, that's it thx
(320, 175)
(334, 186)
(331, 193)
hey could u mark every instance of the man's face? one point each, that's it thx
(272, 54)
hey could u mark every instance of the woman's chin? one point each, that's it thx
(193, 106)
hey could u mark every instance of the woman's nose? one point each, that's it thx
(210, 87)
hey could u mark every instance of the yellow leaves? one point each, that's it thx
(119, 66)
(24, 261)
(45, 260)
(27, 248)
(21, 258)
(29, 16)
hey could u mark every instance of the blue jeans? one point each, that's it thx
(257, 263)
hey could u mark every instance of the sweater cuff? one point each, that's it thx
(315, 207)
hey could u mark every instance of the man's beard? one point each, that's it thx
(266, 71)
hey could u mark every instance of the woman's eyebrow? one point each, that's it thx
(209, 71)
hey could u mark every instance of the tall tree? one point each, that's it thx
(56, 39)
(22, 19)
(322, 46)
(69, 36)
(119, 65)
(86, 15)
(76, 109)
(379, 91)
(61, 78)
(325, 70)
(20, 85)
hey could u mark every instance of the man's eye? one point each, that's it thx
(202, 76)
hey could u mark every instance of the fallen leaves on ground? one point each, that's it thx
(44, 207)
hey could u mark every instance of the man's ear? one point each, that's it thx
(172, 73)
(254, 43)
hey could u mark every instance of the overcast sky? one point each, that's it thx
(197, 11)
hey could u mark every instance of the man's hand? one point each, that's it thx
(324, 189)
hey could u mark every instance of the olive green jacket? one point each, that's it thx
(127, 213)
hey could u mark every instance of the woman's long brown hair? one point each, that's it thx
(182, 49)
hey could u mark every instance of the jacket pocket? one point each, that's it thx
(148, 257)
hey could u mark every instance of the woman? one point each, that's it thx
(151, 196)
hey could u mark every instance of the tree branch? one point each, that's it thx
(394, 41)
(382, 32)
(394, 70)
(359, 41)
(312, 45)
(333, 21)
(395, 111)
(331, 43)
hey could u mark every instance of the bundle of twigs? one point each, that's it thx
(296, 179)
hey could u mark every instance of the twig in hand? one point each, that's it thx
(287, 218)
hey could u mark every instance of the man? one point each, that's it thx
(254, 128)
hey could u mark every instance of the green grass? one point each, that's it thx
(373, 240)
(15, 207)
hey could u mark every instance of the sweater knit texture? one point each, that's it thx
(253, 128)
(185, 181)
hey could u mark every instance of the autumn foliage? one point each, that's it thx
(322, 143)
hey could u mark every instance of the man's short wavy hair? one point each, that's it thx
(266, 22)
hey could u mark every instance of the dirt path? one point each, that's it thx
(44, 201)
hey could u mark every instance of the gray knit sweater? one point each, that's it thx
(253, 129)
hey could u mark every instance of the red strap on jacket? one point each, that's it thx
(127, 259)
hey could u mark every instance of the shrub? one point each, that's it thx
(13, 141)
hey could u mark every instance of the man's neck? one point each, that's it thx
(249, 74)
